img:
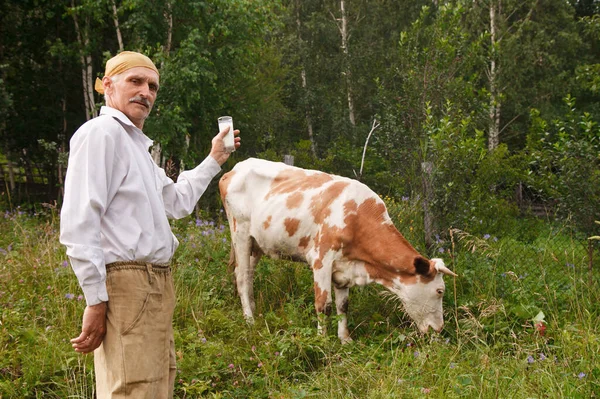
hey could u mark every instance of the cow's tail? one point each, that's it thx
(231, 267)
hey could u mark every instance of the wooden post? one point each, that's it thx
(427, 168)
(590, 260)
(288, 159)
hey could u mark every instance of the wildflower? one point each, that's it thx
(198, 222)
(542, 357)
(441, 250)
(65, 263)
(231, 365)
(49, 287)
(581, 375)
(425, 390)
(405, 199)
(253, 348)
(452, 365)
(80, 297)
(3, 251)
(572, 266)
(530, 359)
(416, 354)
(276, 353)
(203, 340)
(540, 327)
(259, 365)
(69, 296)
(486, 236)
(21, 281)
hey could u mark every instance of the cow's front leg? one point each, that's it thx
(341, 305)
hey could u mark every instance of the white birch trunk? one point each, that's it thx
(309, 125)
(116, 21)
(494, 110)
(86, 69)
(347, 72)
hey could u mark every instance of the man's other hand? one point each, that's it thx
(92, 330)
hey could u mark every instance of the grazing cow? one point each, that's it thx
(338, 226)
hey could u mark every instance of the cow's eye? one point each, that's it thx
(440, 291)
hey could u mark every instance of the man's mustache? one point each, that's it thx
(142, 100)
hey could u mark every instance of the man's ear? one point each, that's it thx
(107, 84)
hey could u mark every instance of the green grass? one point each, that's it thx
(489, 348)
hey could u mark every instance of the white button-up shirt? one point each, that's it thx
(117, 200)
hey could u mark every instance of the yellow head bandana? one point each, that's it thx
(122, 62)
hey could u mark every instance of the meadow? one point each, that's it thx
(521, 320)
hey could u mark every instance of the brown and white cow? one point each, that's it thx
(339, 226)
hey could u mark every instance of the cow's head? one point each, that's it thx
(422, 295)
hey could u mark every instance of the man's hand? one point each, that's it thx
(218, 146)
(92, 330)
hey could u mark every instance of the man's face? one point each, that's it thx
(133, 93)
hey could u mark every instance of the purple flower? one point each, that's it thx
(416, 354)
(231, 365)
(530, 359)
(542, 357)
(3, 251)
(69, 296)
(441, 250)
(203, 340)
(486, 236)
(80, 297)
(405, 198)
(65, 263)
(581, 375)
(452, 365)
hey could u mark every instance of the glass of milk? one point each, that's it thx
(225, 121)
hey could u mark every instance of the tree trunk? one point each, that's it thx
(347, 72)
(116, 21)
(307, 114)
(169, 17)
(494, 111)
(86, 68)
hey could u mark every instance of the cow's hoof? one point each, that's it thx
(346, 340)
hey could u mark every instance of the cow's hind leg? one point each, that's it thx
(247, 256)
(341, 305)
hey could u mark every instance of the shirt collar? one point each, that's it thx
(115, 113)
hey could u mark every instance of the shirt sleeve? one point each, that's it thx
(92, 159)
(180, 198)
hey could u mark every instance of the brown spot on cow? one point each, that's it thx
(267, 223)
(294, 200)
(320, 205)
(387, 254)
(224, 186)
(320, 299)
(291, 225)
(304, 241)
(234, 225)
(296, 180)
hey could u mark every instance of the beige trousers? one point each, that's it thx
(137, 357)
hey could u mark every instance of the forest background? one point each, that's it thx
(475, 108)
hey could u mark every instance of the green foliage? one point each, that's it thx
(565, 163)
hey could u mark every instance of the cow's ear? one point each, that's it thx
(422, 265)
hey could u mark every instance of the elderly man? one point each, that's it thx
(118, 238)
